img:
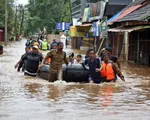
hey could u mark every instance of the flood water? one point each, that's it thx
(27, 98)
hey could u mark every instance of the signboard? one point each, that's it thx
(59, 26)
(67, 26)
(62, 26)
(75, 33)
(96, 29)
(97, 10)
(104, 24)
(86, 15)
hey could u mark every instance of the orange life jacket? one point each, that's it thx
(107, 71)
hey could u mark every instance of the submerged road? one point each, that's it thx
(27, 98)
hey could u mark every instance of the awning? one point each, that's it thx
(128, 29)
(84, 25)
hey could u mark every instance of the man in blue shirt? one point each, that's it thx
(94, 67)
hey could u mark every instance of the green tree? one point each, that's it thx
(45, 13)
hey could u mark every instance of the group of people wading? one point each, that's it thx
(102, 68)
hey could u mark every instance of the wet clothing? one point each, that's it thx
(32, 61)
(21, 64)
(107, 71)
(52, 77)
(110, 69)
(57, 59)
(93, 75)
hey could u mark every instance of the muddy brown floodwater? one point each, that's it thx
(35, 99)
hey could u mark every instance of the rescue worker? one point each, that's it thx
(32, 60)
(58, 56)
(94, 67)
(44, 45)
(109, 70)
(108, 51)
(54, 46)
(20, 63)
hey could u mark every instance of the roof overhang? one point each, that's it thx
(128, 29)
(84, 25)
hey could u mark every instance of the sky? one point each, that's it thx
(24, 2)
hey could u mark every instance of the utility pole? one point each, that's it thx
(6, 16)
(22, 21)
(15, 30)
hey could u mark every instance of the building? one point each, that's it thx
(91, 11)
(77, 7)
(130, 35)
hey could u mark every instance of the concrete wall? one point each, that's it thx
(50, 37)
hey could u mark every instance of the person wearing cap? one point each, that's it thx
(53, 43)
(32, 60)
(58, 57)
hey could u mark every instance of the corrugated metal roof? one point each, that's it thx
(136, 2)
(126, 12)
(128, 29)
(140, 14)
(114, 17)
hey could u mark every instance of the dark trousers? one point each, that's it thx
(52, 77)
(26, 74)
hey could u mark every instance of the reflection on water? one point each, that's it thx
(28, 98)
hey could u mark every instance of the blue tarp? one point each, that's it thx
(114, 17)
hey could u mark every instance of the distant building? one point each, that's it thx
(111, 8)
(77, 7)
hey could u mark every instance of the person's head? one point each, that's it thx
(91, 54)
(60, 46)
(114, 59)
(1, 49)
(54, 46)
(71, 57)
(35, 49)
(106, 58)
(36, 44)
(109, 49)
(44, 40)
(30, 38)
(79, 57)
(27, 49)
(54, 40)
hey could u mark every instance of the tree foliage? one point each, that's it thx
(45, 13)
